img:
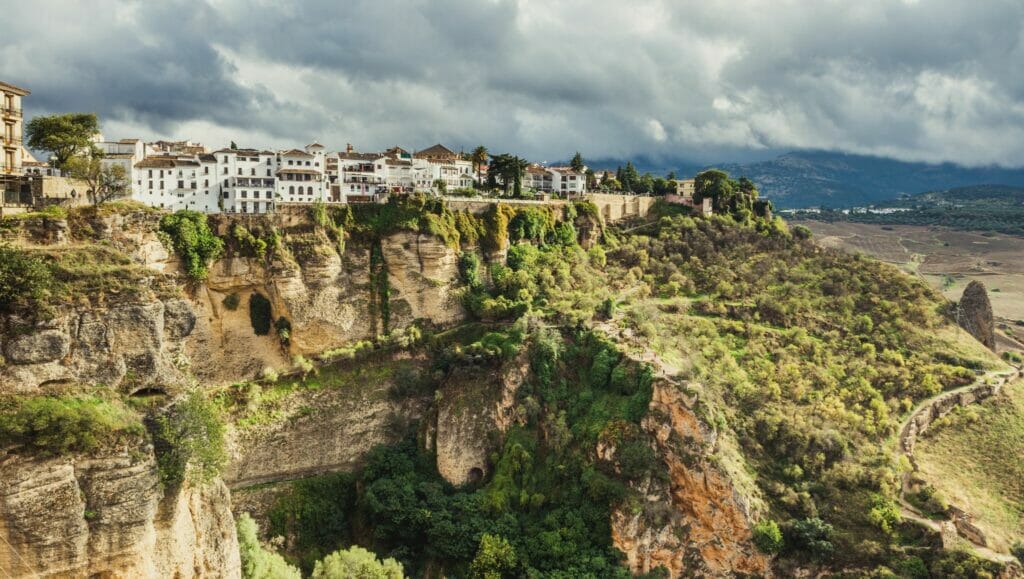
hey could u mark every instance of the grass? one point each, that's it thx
(97, 272)
(58, 425)
(974, 459)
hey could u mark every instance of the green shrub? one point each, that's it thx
(257, 562)
(767, 536)
(812, 536)
(58, 425)
(801, 232)
(357, 561)
(231, 301)
(24, 279)
(912, 567)
(1017, 550)
(884, 514)
(189, 440)
(284, 330)
(189, 235)
(469, 268)
(260, 315)
(495, 558)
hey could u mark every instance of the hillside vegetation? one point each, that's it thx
(964, 458)
(802, 361)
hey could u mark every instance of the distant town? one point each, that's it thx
(185, 175)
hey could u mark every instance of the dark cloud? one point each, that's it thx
(710, 80)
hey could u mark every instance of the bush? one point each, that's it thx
(767, 536)
(812, 536)
(1017, 550)
(231, 301)
(189, 440)
(260, 314)
(257, 562)
(912, 567)
(24, 279)
(801, 232)
(357, 562)
(189, 235)
(495, 558)
(284, 330)
(52, 425)
(469, 268)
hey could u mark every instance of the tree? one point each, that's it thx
(591, 179)
(509, 170)
(23, 279)
(629, 177)
(441, 185)
(356, 563)
(479, 158)
(767, 536)
(257, 562)
(577, 163)
(234, 147)
(106, 182)
(494, 559)
(63, 136)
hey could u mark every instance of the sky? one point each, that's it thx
(704, 80)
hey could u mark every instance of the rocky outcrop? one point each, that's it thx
(130, 346)
(695, 524)
(324, 430)
(153, 340)
(974, 314)
(474, 405)
(107, 516)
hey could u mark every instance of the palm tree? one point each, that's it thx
(479, 157)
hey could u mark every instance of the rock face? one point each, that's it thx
(474, 405)
(106, 516)
(131, 345)
(328, 430)
(975, 314)
(150, 342)
(696, 524)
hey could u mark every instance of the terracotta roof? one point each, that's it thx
(154, 162)
(208, 158)
(399, 162)
(129, 141)
(314, 145)
(296, 153)
(244, 151)
(15, 89)
(360, 156)
(437, 151)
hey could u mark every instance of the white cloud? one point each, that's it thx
(705, 80)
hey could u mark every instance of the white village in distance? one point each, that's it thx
(184, 175)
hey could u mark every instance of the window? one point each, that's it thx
(206, 182)
(181, 184)
(252, 172)
(225, 160)
(206, 170)
(268, 161)
(268, 172)
(309, 190)
(150, 184)
(291, 189)
(225, 194)
(242, 194)
(307, 163)
(290, 162)
(150, 173)
(161, 185)
(225, 170)
(239, 170)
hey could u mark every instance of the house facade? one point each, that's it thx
(11, 129)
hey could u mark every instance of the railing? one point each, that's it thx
(10, 112)
(364, 180)
(253, 182)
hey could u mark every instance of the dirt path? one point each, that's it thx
(906, 430)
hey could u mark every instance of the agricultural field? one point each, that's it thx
(947, 259)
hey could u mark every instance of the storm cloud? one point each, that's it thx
(925, 80)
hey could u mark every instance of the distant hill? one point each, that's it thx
(816, 178)
(977, 208)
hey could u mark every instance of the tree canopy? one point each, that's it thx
(63, 136)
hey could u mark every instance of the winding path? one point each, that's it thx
(907, 429)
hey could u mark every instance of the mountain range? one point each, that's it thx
(831, 179)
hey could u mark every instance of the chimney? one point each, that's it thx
(349, 148)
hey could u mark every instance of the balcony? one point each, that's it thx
(12, 139)
(252, 182)
(366, 180)
(8, 112)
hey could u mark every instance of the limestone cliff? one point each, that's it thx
(475, 405)
(974, 314)
(695, 523)
(107, 516)
(154, 339)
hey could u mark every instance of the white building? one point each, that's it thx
(125, 153)
(173, 183)
(441, 163)
(301, 175)
(246, 179)
(566, 182)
